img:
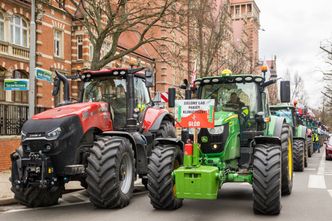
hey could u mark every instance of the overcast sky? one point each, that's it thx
(293, 32)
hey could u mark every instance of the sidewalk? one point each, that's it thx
(7, 196)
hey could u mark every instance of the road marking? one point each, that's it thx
(316, 182)
(330, 192)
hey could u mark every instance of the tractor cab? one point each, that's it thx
(125, 90)
(240, 102)
(286, 111)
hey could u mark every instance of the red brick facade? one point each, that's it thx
(7, 146)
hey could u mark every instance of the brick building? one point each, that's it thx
(63, 45)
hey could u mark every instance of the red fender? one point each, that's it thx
(152, 116)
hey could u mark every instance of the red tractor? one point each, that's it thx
(104, 140)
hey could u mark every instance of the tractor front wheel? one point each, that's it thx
(110, 172)
(287, 160)
(166, 129)
(298, 155)
(267, 179)
(163, 160)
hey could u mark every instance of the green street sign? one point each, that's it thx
(16, 84)
(44, 75)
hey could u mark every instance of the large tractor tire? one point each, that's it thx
(163, 160)
(166, 129)
(110, 172)
(305, 154)
(287, 160)
(298, 155)
(267, 179)
(310, 147)
(34, 196)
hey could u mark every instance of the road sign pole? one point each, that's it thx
(32, 60)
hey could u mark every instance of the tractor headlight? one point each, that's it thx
(23, 135)
(192, 130)
(54, 134)
(216, 130)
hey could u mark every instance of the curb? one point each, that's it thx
(7, 201)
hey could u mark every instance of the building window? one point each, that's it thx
(58, 42)
(237, 10)
(2, 27)
(79, 47)
(19, 31)
(20, 96)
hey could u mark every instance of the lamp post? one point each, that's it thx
(32, 56)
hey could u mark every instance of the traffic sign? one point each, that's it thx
(164, 97)
(194, 113)
(44, 75)
(16, 84)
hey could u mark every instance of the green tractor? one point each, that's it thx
(300, 152)
(247, 144)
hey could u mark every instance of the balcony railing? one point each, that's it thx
(12, 118)
(9, 49)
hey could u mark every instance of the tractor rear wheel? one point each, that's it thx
(287, 160)
(110, 172)
(163, 160)
(34, 196)
(310, 147)
(166, 129)
(298, 155)
(267, 179)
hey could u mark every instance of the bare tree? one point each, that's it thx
(326, 47)
(110, 19)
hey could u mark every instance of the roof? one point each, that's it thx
(239, 78)
(113, 71)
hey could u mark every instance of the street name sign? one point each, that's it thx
(44, 75)
(16, 84)
(194, 113)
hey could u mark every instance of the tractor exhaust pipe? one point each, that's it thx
(65, 82)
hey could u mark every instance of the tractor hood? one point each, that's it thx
(80, 109)
(223, 117)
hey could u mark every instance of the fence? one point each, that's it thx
(13, 116)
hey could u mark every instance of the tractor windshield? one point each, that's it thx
(111, 90)
(232, 96)
(105, 90)
(285, 113)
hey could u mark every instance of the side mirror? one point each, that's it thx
(171, 97)
(149, 79)
(285, 91)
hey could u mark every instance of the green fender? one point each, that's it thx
(274, 127)
(300, 132)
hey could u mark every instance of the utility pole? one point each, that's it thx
(32, 56)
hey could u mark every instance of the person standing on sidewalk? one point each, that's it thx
(315, 140)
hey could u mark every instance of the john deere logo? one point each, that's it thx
(205, 139)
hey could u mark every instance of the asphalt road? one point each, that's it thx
(311, 200)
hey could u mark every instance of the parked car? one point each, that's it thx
(328, 149)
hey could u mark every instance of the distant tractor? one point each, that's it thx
(104, 140)
(247, 144)
(300, 151)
